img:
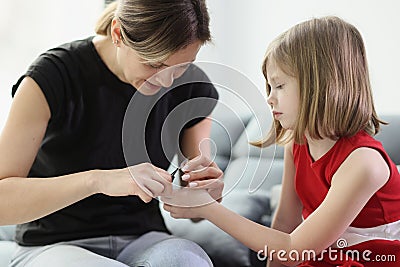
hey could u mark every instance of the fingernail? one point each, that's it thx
(185, 177)
(193, 184)
(183, 163)
(185, 168)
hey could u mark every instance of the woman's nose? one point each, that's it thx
(165, 78)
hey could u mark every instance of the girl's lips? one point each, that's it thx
(276, 114)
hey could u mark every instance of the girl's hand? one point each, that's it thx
(202, 173)
(143, 180)
(187, 203)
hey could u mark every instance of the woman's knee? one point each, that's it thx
(175, 252)
(62, 256)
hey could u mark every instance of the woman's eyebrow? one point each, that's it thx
(165, 65)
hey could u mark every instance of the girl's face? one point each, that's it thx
(148, 78)
(284, 97)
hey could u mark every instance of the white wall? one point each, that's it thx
(241, 29)
(28, 28)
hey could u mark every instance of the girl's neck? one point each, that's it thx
(318, 148)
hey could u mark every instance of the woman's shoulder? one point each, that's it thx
(75, 49)
(66, 59)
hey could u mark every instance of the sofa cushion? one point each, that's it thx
(226, 128)
(253, 174)
(255, 130)
(7, 249)
(7, 232)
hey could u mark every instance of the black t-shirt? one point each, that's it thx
(99, 122)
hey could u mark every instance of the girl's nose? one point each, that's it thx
(270, 99)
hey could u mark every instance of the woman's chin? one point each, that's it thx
(148, 88)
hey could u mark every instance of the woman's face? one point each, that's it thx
(148, 78)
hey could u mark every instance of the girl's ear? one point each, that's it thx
(116, 32)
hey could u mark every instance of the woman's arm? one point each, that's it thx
(27, 199)
(23, 200)
(196, 140)
(201, 171)
(357, 179)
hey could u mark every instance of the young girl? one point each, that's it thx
(341, 191)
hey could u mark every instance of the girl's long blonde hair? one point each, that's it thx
(328, 58)
(158, 28)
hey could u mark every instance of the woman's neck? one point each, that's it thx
(108, 53)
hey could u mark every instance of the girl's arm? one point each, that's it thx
(22, 199)
(288, 213)
(356, 180)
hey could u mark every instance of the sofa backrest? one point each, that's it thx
(389, 136)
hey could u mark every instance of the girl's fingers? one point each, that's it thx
(167, 207)
(206, 184)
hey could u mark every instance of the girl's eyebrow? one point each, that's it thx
(273, 79)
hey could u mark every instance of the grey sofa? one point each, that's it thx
(250, 176)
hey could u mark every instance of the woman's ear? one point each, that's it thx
(116, 32)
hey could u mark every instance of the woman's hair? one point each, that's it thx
(158, 28)
(328, 58)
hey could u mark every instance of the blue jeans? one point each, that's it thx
(154, 249)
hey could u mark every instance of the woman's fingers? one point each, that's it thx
(156, 188)
(144, 194)
(150, 179)
(197, 163)
(163, 173)
(203, 174)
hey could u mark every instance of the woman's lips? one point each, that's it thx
(152, 86)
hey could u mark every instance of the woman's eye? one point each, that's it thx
(154, 66)
(279, 86)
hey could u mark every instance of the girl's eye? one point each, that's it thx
(279, 86)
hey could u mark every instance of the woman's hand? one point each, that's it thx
(202, 173)
(143, 180)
